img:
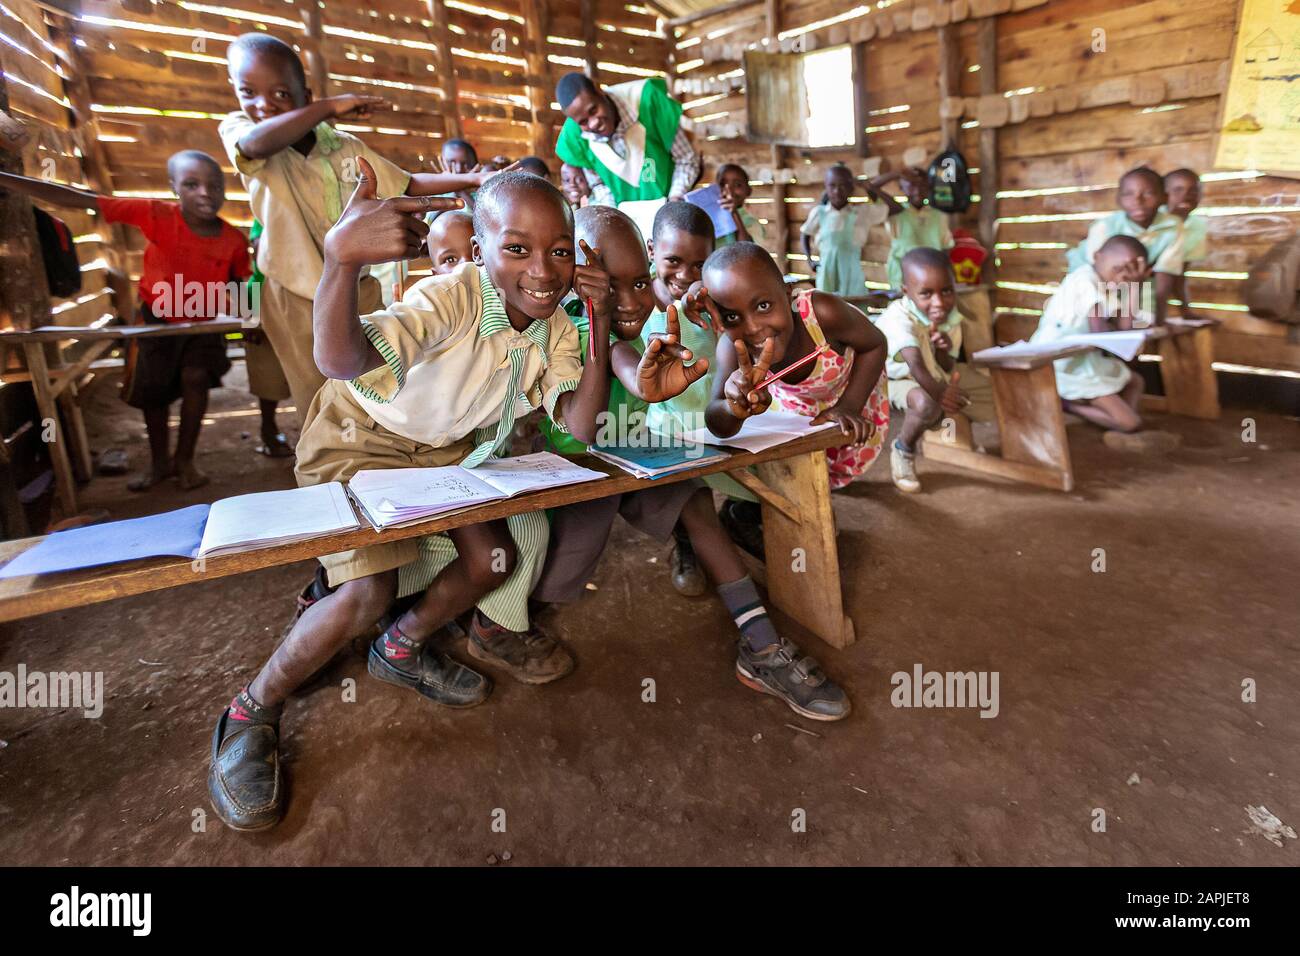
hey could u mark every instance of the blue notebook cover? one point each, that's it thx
(709, 198)
(664, 458)
(174, 533)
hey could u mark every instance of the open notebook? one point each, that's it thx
(774, 427)
(1124, 345)
(391, 497)
(242, 523)
(269, 518)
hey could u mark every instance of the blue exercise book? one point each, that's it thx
(656, 460)
(709, 198)
(177, 533)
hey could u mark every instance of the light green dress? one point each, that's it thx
(840, 235)
(686, 412)
(1091, 374)
(752, 226)
(914, 229)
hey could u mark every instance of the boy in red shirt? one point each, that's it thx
(191, 257)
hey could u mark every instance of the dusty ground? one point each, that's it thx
(1119, 691)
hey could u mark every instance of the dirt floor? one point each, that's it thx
(1119, 691)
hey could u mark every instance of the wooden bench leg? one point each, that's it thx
(65, 486)
(1188, 374)
(78, 442)
(1032, 428)
(803, 566)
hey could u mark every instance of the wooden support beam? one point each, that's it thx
(780, 214)
(949, 80)
(446, 69)
(589, 50)
(318, 74)
(537, 24)
(987, 38)
(719, 10)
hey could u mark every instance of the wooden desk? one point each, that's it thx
(1031, 422)
(792, 484)
(57, 387)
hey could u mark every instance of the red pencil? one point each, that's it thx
(591, 327)
(791, 367)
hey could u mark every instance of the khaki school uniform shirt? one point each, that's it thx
(905, 326)
(446, 346)
(298, 198)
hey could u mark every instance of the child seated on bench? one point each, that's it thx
(188, 247)
(1095, 385)
(1183, 195)
(436, 379)
(645, 373)
(1141, 194)
(923, 330)
(744, 294)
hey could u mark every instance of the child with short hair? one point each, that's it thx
(733, 183)
(574, 185)
(841, 230)
(681, 238)
(1141, 194)
(916, 225)
(438, 378)
(534, 165)
(923, 331)
(298, 170)
(744, 295)
(644, 373)
(1095, 385)
(450, 241)
(1182, 196)
(188, 244)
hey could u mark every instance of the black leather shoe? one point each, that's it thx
(782, 670)
(688, 578)
(244, 781)
(436, 676)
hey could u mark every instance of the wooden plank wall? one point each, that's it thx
(1075, 118)
(35, 76)
(157, 76)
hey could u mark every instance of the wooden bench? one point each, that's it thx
(57, 386)
(791, 482)
(1031, 422)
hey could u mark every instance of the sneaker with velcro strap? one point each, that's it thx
(783, 671)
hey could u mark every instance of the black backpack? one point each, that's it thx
(949, 182)
(62, 270)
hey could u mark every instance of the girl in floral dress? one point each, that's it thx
(744, 296)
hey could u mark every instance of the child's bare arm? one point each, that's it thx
(805, 241)
(579, 408)
(847, 327)
(280, 132)
(920, 374)
(370, 231)
(51, 193)
(875, 188)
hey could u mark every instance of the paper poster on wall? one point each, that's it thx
(1259, 122)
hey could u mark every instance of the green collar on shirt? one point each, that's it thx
(327, 141)
(916, 315)
(494, 318)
